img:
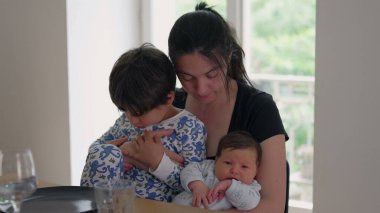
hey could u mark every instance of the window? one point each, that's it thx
(278, 37)
(281, 60)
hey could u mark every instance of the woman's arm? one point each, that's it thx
(272, 176)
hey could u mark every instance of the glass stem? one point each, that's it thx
(16, 206)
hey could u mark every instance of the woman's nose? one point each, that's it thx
(201, 87)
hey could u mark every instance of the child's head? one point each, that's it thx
(142, 80)
(238, 156)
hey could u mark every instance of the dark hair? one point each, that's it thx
(141, 79)
(206, 32)
(239, 140)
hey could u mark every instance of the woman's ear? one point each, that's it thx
(170, 96)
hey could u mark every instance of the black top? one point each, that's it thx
(255, 112)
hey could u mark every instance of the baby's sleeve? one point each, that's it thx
(243, 196)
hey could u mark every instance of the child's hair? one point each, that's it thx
(141, 80)
(239, 140)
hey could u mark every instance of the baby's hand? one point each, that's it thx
(200, 191)
(219, 190)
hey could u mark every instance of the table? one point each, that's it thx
(145, 205)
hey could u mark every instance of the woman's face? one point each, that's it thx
(200, 77)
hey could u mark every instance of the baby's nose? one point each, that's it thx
(234, 170)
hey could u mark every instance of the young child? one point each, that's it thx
(142, 84)
(229, 180)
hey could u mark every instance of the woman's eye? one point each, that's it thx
(185, 77)
(212, 74)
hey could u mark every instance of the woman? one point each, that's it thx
(209, 64)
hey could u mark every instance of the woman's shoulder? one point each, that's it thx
(256, 112)
(250, 96)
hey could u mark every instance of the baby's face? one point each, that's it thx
(239, 164)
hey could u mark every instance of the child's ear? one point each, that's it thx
(170, 96)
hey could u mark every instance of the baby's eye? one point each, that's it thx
(212, 74)
(227, 162)
(245, 167)
(185, 77)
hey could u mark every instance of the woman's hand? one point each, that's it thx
(200, 191)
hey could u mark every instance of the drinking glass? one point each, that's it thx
(117, 196)
(17, 176)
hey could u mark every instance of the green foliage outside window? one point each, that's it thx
(283, 36)
(283, 43)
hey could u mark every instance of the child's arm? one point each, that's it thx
(199, 190)
(218, 191)
(114, 134)
(104, 161)
(192, 150)
(192, 180)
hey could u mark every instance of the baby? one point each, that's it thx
(227, 182)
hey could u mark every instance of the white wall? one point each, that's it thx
(54, 68)
(347, 103)
(98, 33)
(34, 105)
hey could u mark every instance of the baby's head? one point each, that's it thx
(142, 84)
(238, 157)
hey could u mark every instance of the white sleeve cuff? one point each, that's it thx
(232, 188)
(164, 168)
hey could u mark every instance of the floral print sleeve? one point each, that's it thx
(105, 161)
(188, 140)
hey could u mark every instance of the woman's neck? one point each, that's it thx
(222, 105)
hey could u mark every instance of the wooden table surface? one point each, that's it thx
(145, 205)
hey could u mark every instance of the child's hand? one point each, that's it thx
(219, 190)
(178, 159)
(122, 143)
(119, 142)
(147, 148)
(199, 190)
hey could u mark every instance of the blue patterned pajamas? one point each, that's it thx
(105, 161)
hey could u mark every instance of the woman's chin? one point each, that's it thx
(205, 99)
